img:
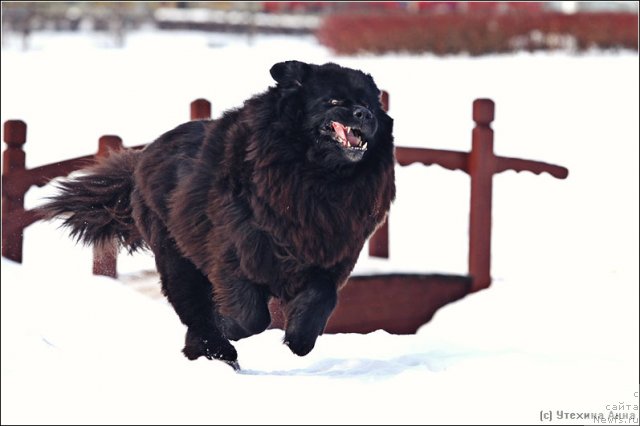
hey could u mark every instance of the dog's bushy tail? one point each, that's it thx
(96, 206)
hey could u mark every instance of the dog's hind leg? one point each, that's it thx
(190, 293)
(187, 289)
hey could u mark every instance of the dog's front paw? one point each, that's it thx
(300, 343)
(210, 347)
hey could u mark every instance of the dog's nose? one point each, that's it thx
(362, 114)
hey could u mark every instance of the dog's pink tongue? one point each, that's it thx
(353, 139)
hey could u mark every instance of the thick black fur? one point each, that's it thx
(263, 202)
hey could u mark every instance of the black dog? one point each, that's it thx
(274, 199)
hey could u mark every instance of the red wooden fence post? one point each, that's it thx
(105, 259)
(384, 100)
(481, 169)
(379, 241)
(200, 109)
(13, 160)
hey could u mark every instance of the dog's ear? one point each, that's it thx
(290, 73)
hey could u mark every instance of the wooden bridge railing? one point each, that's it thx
(480, 163)
(16, 181)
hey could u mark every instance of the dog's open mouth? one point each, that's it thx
(348, 137)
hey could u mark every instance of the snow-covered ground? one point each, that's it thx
(556, 333)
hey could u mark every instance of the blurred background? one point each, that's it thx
(350, 27)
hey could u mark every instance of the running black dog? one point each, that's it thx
(273, 199)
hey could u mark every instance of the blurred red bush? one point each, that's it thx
(477, 34)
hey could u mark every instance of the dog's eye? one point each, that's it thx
(335, 102)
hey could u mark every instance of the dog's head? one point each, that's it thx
(338, 110)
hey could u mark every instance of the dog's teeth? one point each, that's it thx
(364, 146)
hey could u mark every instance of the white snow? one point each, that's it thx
(557, 330)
